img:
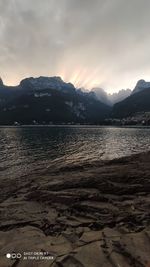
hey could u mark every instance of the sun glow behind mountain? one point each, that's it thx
(83, 77)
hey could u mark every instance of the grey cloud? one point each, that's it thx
(99, 42)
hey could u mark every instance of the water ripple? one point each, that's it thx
(30, 150)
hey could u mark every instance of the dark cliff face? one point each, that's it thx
(49, 100)
(137, 102)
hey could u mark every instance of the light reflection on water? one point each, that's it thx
(31, 150)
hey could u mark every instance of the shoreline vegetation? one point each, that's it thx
(84, 216)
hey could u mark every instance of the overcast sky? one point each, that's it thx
(91, 43)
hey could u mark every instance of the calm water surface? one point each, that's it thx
(33, 149)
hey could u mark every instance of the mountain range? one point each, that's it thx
(47, 100)
(111, 99)
(50, 100)
(138, 102)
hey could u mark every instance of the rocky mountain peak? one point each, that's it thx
(140, 86)
(1, 82)
(43, 82)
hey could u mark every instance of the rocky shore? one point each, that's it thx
(79, 216)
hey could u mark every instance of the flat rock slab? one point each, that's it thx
(107, 247)
(91, 217)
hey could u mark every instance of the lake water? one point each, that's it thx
(34, 149)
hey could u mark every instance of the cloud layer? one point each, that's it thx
(90, 43)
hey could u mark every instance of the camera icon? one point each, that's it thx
(13, 256)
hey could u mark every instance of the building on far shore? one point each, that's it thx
(140, 118)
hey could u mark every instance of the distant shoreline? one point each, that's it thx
(74, 126)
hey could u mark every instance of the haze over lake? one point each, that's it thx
(36, 149)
